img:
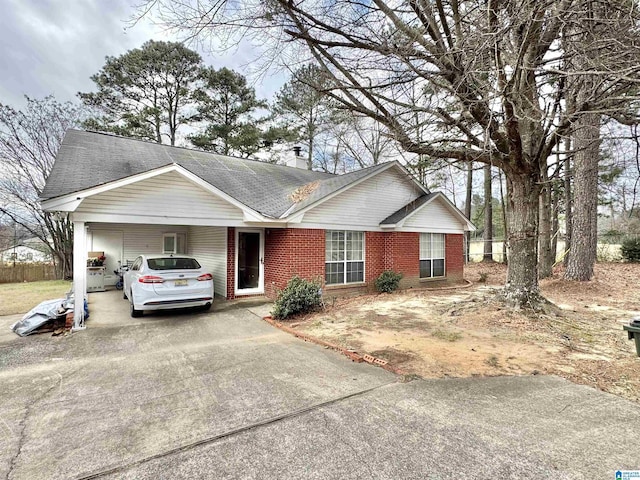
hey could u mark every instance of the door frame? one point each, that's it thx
(260, 288)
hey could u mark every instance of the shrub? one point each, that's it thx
(299, 296)
(631, 250)
(388, 281)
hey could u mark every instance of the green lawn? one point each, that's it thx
(22, 297)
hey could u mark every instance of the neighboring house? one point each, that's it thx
(254, 225)
(25, 253)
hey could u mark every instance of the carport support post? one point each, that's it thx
(79, 273)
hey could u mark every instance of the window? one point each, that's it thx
(29, 257)
(173, 263)
(173, 243)
(136, 265)
(344, 257)
(431, 255)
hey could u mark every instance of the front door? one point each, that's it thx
(249, 262)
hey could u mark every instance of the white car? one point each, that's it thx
(157, 282)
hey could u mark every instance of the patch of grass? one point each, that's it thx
(492, 361)
(447, 336)
(22, 297)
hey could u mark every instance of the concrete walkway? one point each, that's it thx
(225, 395)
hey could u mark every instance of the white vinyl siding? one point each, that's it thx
(167, 195)
(365, 205)
(344, 257)
(209, 246)
(434, 216)
(139, 239)
(432, 255)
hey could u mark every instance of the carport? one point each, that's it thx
(165, 210)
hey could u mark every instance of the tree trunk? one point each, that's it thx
(488, 216)
(467, 208)
(504, 220)
(555, 221)
(522, 289)
(545, 259)
(568, 201)
(582, 256)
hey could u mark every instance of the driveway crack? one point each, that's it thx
(263, 423)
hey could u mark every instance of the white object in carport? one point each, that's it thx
(41, 314)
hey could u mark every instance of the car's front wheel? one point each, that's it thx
(132, 309)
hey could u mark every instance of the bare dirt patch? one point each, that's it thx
(462, 333)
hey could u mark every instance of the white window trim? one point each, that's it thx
(345, 261)
(444, 258)
(175, 243)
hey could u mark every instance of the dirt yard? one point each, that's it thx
(465, 332)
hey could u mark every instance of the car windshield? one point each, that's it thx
(173, 263)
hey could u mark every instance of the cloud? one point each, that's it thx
(54, 46)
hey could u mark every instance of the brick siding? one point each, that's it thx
(231, 262)
(291, 251)
(454, 256)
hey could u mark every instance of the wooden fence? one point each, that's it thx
(27, 272)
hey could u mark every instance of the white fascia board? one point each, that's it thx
(159, 220)
(439, 195)
(61, 204)
(339, 191)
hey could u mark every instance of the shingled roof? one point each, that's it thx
(407, 209)
(89, 159)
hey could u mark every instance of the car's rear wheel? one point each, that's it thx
(132, 309)
(206, 307)
(124, 294)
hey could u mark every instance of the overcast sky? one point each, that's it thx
(54, 46)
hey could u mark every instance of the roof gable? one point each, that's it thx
(364, 202)
(434, 210)
(170, 194)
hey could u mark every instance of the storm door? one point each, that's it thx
(249, 262)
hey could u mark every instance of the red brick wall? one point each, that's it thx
(293, 251)
(231, 262)
(403, 256)
(454, 254)
(289, 252)
(375, 258)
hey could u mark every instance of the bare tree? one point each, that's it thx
(497, 63)
(467, 209)
(488, 215)
(365, 141)
(29, 141)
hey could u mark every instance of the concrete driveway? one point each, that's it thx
(225, 395)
